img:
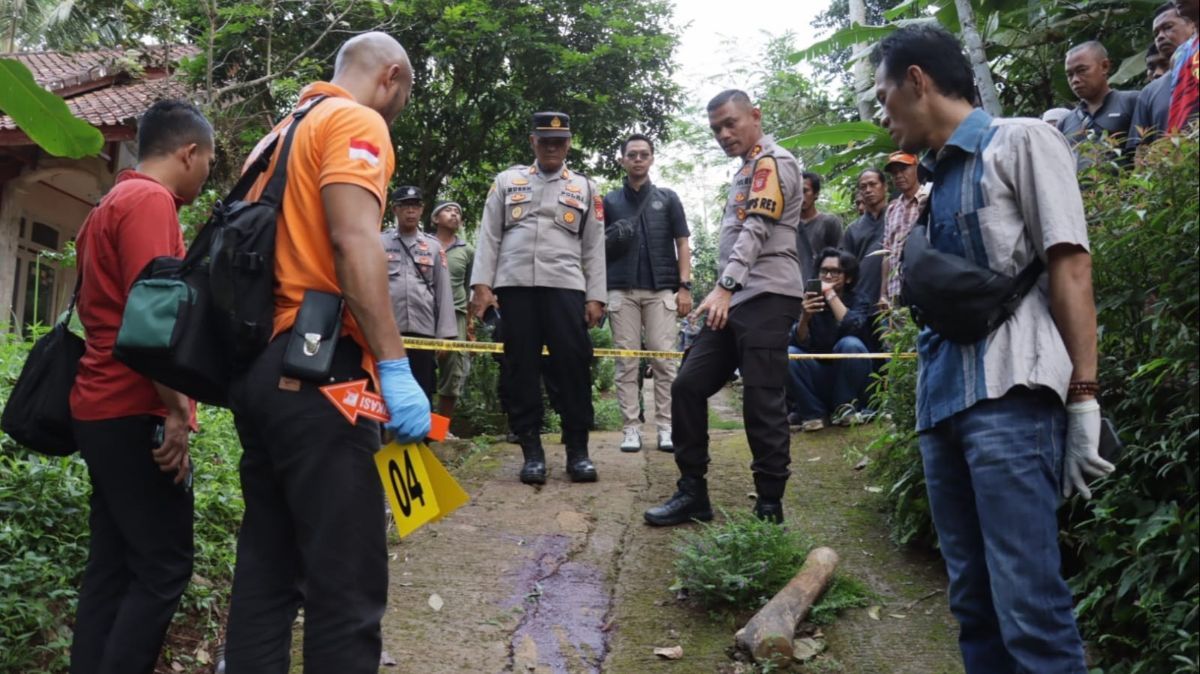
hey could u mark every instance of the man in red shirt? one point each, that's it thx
(131, 431)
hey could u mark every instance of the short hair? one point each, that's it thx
(1164, 8)
(637, 136)
(814, 179)
(1093, 46)
(736, 95)
(931, 48)
(878, 172)
(846, 260)
(1152, 50)
(169, 125)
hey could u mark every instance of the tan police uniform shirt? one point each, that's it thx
(419, 284)
(758, 228)
(542, 230)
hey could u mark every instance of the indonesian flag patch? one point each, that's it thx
(361, 149)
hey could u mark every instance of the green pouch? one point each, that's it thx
(155, 312)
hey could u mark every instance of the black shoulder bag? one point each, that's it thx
(955, 297)
(38, 412)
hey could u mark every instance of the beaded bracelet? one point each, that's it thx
(1089, 388)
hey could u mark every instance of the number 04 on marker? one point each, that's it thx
(418, 487)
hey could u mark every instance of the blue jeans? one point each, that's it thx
(993, 474)
(816, 388)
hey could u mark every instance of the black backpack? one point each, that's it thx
(216, 307)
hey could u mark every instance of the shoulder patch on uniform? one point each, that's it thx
(766, 194)
(445, 263)
(520, 181)
(598, 206)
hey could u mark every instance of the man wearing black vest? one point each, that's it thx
(649, 284)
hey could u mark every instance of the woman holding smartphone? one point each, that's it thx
(834, 319)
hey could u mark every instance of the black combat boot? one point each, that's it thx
(534, 470)
(579, 467)
(689, 503)
(769, 510)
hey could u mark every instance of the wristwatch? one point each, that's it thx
(685, 285)
(729, 283)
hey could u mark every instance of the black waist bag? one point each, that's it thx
(955, 297)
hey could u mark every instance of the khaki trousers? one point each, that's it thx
(650, 315)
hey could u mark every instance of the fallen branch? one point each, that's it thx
(769, 634)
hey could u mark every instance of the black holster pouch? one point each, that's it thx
(314, 337)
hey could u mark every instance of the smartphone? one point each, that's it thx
(1111, 446)
(813, 285)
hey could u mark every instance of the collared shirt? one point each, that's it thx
(863, 237)
(902, 214)
(1003, 192)
(1150, 113)
(460, 255)
(757, 245)
(419, 285)
(542, 230)
(1112, 117)
(1185, 85)
(134, 223)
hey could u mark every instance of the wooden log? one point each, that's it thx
(769, 634)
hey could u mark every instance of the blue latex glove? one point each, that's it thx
(406, 402)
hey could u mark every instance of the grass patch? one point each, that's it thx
(715, 422)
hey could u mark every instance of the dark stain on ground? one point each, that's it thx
(564, 604)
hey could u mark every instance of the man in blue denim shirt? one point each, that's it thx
(1008, 421)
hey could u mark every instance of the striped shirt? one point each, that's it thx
(1004, 190)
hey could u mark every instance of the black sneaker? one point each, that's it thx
(579, 467)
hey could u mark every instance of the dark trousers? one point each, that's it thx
(424, 367)
(753, 341)
(140, 554)
(550, 317)
(313, 533)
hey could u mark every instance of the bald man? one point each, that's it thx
(1101, 108)
(314, 532)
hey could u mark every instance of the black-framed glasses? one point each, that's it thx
(831, 271)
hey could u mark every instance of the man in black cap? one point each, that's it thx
(541, 249)
(418, 283)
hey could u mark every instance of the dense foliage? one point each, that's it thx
(1130, 554)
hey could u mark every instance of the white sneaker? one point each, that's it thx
(664, 440)
(632, 440)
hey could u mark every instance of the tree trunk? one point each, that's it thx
(862, 75)
(769, 634)
(975, 52)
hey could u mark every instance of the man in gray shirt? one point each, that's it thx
(748, 315)
(817, 230)
(1101, 108)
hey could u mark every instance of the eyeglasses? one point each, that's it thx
(638, 155)
(830, 271)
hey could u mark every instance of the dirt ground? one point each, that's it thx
(567, 578)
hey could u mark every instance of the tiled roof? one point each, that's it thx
(60, 70)
(119, 101)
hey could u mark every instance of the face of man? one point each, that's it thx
(904, 111)
(809, 200)
(872, 190)
(449, 218)
(1156, 67)
(736, 126)
(1170, 31)
(904, 177)
(196, 163)
(408, 215)
(1087, 74)
(550, 152)
(1188, 9)
(638, 159)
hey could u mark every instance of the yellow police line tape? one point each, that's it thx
(424, 344)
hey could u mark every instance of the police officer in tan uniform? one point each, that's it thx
(540, 249)
(757, 298)
(419, 284)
